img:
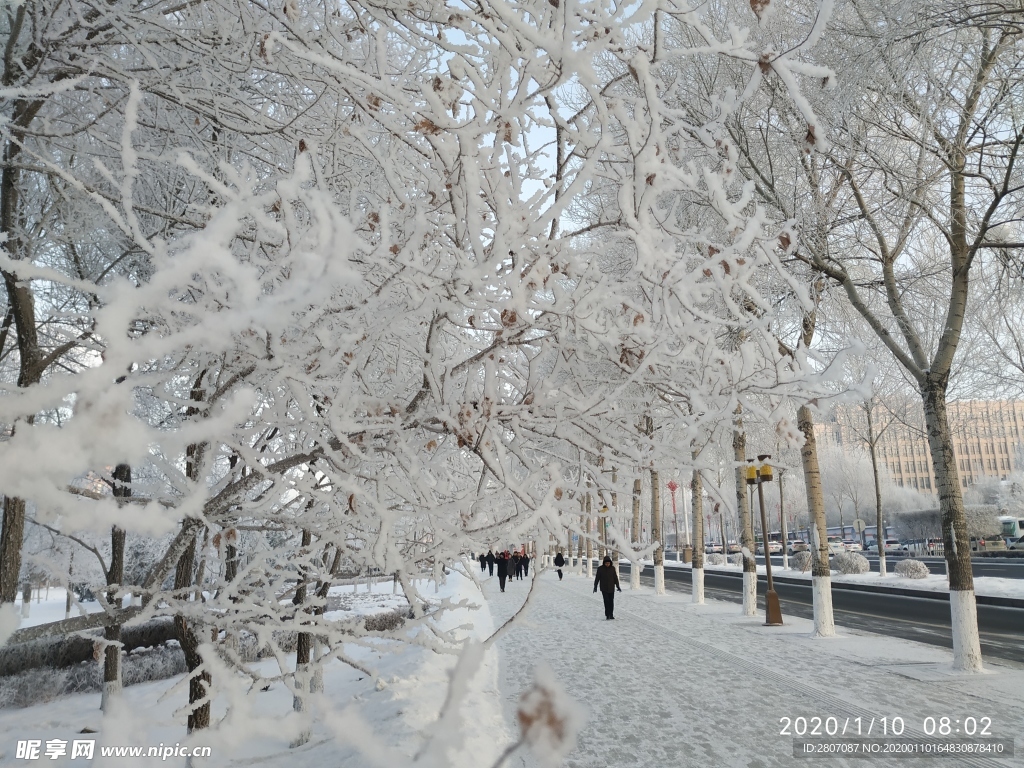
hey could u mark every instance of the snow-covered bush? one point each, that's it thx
(912, 569)
(715, 559)
(801, 561)
(736, 558)
(385, 622)
(36, 686)
(851, 562)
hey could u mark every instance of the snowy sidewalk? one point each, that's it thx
(672, 683)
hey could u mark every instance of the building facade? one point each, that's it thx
(988, 439)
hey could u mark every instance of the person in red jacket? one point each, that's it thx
(608, 579)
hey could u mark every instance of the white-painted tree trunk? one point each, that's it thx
(881, 558)
(111, 691)
(966, 643)
(821, 573)
(824, 623)
(316, 683)
(697, 591)
(590, 568)
(749, 593)
(634, 575)
(302, 680)
(659, 579)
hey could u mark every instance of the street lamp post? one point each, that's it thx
(757, 476)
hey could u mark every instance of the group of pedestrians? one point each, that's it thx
(510, 565)
(516, 565)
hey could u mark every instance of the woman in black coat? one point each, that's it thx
(559, 564)
(502, 569)
(490, 562)
(483, 562)
(525, 560)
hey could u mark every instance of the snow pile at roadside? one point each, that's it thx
(990, 586)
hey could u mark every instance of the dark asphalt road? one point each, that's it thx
(913, 618)
(1002, 568)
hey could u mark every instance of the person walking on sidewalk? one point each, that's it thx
(608, 579)
(525, 560)
(559, 564)
(483, 562)
(502, 562)
(517, 566)
(490, 562)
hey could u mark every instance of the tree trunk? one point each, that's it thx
(22, 307)
(590, 542)
(659, 550)
(115, 576)
(697, 505)
(879, 528)
(10, 548)
(635, 567)
(739, 453)
(112, 633)
(188, 638)
(614, 510)
(303, 648)
(782, 523)
(821, 572)
(580, 544)
(964, 612)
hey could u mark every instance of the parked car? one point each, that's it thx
(775, 547)
(835, 545)
(1016, 544)
(895, 547)
(734, 548)
(852, 546)
(797, 545)
(712, 549)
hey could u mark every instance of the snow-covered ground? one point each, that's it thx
(395, 710)
(672, 683)
(983, 585)
(667, 682)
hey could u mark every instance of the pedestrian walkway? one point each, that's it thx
(672, 683)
